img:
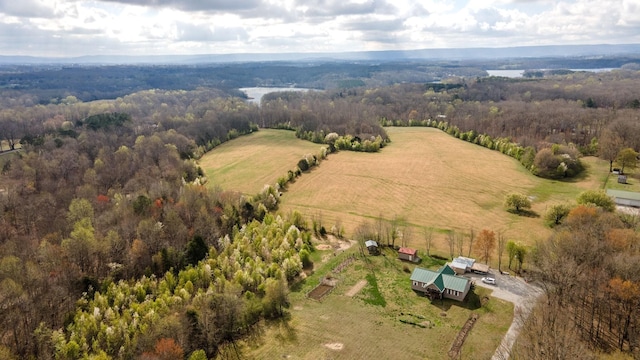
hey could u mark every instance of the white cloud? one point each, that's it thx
(28, 8)
(77, 27)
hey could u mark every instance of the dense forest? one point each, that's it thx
(590, 274)
(44, 84)
(28, 85)
(113, 246)
(582, 113)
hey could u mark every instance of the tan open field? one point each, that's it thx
(425, 177)
(430, 179)
(248, 163)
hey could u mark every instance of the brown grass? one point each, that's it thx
(249, 162)
(429, 179)
(356, 288)
(425, 177)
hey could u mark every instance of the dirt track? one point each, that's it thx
(356, 288)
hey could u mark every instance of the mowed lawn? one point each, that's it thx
(348, 327)
(250, 162)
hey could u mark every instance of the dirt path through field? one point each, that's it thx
(356, 288)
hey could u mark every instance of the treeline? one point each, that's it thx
(53, 84)
(204, 308)
(314, 115)
(555, 162)
(201, 119)
(110, 191)
(589, 272)
(559, 117)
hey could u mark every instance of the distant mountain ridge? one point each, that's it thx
(485, 53)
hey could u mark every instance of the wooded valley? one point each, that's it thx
(113, 244)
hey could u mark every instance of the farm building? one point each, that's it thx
(372, 246)
(463, 264)
(408, 254)
(480, 268)
(443, 283)
(625, 198)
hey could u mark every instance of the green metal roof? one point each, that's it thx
(439, 283)
(423, 275)
(447, 270)
(456, 283)
(441, 279)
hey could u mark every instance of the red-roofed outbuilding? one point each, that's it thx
(409, 254)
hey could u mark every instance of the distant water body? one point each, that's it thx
(519, 73)
(255, 94)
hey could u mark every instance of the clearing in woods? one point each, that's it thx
(345, 325)
(424, 176)
(250, 162)
(429, 179)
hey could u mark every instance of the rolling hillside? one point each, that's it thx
(248, 163)
(424, 177)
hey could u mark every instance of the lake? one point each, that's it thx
(519, 72)
(506, 73)
(255, 94)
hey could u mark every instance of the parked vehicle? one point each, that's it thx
(489, 280)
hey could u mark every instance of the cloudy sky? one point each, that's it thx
(157, 27)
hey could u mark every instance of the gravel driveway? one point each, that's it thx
(523, 296)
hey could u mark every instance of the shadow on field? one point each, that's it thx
(525, 213)
(286, 333)
(297, 285)
(471, 302)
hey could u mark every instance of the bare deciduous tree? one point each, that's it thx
(451, 241)
(428, 239)
(472, 237)
(501, 246)
(460, 242)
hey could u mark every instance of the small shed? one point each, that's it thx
(480, 268)
(409, 254)
(372, 246)
(622, 179)
(462, 264)
(625, 198)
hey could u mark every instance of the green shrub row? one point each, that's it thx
(343, 142)
(231, 134)
(525, 155)
(307, 162)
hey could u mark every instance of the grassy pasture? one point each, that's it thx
(249, 162)
(633, 180)
(425, 177)
(429, 179)
(4, 145)
(360, 330)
